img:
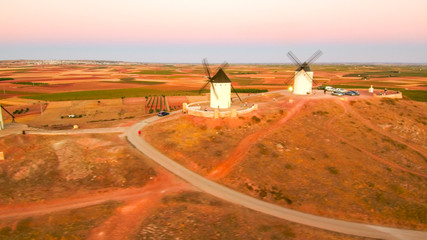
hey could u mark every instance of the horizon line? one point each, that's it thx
(234, 63)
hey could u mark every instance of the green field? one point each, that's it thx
(127, 79)
(139, 82)
(416, 95)
(250, 90)
(243, 72)
(31, 83)
(5, 78)
(108, 94)
(248, 81)
(156, 72)
(6, 94)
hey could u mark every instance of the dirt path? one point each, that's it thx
(78, 131)
(372, 155)
(163, 183)
(128, 217)
(227, 194)
(245, 145)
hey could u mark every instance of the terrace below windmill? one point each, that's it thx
(203, 109)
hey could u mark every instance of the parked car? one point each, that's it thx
(352, 93)
(340, 90)
(162, 113)
(337, 93)
(329, 88)
(321, 88)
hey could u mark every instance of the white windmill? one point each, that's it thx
(1, 117)
(303, 83)
(220, 89)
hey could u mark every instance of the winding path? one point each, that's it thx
(227, 194)
(246, 144)
(161, 184)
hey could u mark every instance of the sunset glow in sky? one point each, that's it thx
(188, 30)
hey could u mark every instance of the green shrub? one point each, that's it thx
(127, 79)
(256, 119)
(333, 170)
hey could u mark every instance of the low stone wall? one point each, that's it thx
(191, 109)
(392, 95)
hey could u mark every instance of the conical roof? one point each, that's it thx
(220, 77)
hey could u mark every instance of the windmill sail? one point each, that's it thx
(220, 86)
(303, 80)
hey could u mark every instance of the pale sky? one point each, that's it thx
(252, 31)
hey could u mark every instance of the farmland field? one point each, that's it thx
(91, 81)
(360, 158)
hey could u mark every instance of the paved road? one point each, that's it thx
(77, 131)
(227, 194)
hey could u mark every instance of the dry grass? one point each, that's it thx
(303, 166)
(70, 224)
(179, 218)
(39, 168)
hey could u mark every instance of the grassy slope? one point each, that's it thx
(179, 218)
(303, 166)
(70, 224)
(40, 168)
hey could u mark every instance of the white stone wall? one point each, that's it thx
(222, 99)
(303, 84)
(191, 109)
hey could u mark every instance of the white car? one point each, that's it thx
(340, 90)
(329, 88)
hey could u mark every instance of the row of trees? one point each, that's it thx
(20, 111)
(155, 103)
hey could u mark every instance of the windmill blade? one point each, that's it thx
(312, 80)
(213, 88)
(222, 66)
(294, 59)
(206, 65)
(289, 80)
(314, 83)
(314, 57)
(204, 86)
(236, 92)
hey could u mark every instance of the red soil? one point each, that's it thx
(176, 101)
(163, 183)
(243, 147)
(376, 157)
(138, 101)
(128, 217)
